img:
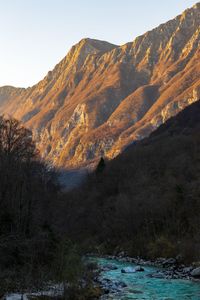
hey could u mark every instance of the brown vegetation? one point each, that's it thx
(32, 250)
(146, 201)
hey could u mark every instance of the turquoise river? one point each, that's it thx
(139, 286)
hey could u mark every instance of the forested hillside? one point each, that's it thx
(146, 201)
(34, 252)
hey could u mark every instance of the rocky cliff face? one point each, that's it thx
(102, 97)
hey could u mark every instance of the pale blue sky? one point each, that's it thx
(36, 34)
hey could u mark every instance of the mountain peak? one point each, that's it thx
(102, 97)
(197, 5)
(195, 9)
(95, 45)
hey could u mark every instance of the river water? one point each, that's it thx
(140, 286)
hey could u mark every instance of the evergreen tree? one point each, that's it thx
(101, 166)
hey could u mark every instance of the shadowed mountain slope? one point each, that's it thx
(146, 201)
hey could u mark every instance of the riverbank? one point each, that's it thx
(57, 292)
(122, 279)
(84, 287)
(120, 276)
(170, 268)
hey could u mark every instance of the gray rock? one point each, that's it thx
(187, 270)
(196, 272)
(139, 269)
(147, 263)
(112, 287)
(128, 270)
(169, 262)
(121, 284)
(134, 260)
(108, 267)
(132, 270)
(158, 275)
(160, 260)
(122, 254)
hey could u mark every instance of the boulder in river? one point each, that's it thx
(169, 262)
(187, 270)
(112, 286)
(132, 270)
(159, 275)
(196, 272)
(128, 270)
(109, 267)
(139, 269)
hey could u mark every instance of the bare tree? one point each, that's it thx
(16, 141)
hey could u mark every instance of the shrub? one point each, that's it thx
(162, 247)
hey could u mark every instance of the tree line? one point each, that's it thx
(147, 200)
(33, 250)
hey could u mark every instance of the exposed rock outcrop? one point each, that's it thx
(102, 97)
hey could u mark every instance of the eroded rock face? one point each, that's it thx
(102, 97)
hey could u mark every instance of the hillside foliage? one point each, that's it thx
(146, 201)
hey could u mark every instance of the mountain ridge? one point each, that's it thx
(101, 97)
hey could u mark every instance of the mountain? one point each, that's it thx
(102, 97)
(146, 201)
